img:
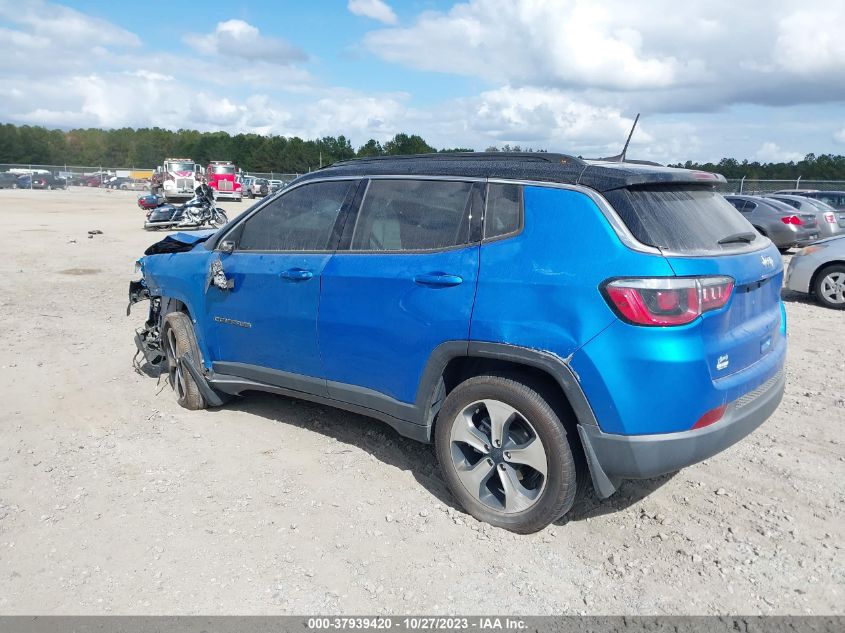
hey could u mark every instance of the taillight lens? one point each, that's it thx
(667, 300)
(791, 219)
(830, 218)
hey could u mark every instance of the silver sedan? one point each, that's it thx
(819, 269)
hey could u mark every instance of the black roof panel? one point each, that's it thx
(597, 174)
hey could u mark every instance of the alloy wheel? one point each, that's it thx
(498, 456)
(832, 288)
(174, 367)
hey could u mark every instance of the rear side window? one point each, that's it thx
(409, 215)
(792, 203)
(300, 220)
(682, 219)
(504, 210)
(738, 204)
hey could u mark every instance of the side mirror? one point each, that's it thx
(227, 246)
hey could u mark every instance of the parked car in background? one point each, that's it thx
(778, 221)
(95, 180)
(836, 199)
(135, 184)
(819, 269)
(275, 185)
(8, 181)
(41, 181)
(74, 179)
(257, 187)
(115, 182)
(831, 222)
(433, 292)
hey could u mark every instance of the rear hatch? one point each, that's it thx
(703, 235)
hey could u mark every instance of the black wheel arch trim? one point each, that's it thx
(414, 420)
(557, 367)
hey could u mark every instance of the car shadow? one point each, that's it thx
(791, 296)
(389, 447)
(368, 434)
(630, 492)
(145, 368)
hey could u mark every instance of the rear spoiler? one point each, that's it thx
(604, 176)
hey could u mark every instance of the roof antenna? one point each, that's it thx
(620, 158)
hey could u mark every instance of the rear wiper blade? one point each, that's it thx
(747, 237)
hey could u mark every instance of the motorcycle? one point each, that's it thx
(198, 211)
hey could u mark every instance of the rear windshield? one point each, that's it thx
(682, 219)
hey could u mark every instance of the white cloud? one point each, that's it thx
(667, 55)
(770, 152)
(236, 38)
(43, 39)
(544, 119)
(375, 9)
(561, 75)
(51, 21)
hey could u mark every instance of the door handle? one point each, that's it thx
(437, 280)
(297, 274)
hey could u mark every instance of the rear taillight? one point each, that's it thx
(791, 219)
(830, 218)
(667, 300)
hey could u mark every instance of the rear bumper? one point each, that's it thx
(804, 241)
(615, 457)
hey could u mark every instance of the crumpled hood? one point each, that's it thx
(179, 242)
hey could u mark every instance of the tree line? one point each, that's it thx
(812, 167)
(147, 147)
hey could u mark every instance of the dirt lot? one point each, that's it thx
(115, 500)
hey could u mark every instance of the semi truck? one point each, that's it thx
(221, 176)
(176, 179)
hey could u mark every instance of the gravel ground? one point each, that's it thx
(115, 500)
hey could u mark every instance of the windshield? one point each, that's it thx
(682, 219)
(177, 167)
(224, 169)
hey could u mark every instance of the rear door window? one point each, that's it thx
(681, 219)
(413, 215)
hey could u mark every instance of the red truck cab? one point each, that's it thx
(221, 176)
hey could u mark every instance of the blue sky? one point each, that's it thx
(760, 81)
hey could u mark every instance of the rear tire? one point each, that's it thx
(526, 481)
(829, 286)
(177, 337)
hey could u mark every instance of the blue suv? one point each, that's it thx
(542, 319)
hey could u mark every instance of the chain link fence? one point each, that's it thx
(81, 175)
(272, 175)
(135, 177)
(102, 175)
(753, 186)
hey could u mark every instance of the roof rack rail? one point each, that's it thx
(545, 157)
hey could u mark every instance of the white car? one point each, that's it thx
(819, 269)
